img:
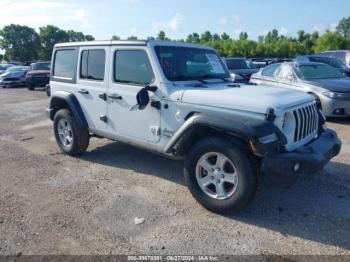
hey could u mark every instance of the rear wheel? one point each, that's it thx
(220, 175)
(71, 138)
(31, 87)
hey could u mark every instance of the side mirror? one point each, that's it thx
(142, 98)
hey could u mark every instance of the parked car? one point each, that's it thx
(279, 60)
(330, 87)
(38, 75)
(342, 55)
(177, 99)
(260, 62)
(241, 69)
(4, 67)
(14, 76)
(326, 60)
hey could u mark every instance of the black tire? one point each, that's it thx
(80, 136)
(31, 87)
(246, 171)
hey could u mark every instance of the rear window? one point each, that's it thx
(41, 66)
(65, 64)
(309, 72)
(233, 64)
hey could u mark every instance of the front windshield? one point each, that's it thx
(41, 66)
(235, 64)
(185, 63)
(309, 72)
(336, 63)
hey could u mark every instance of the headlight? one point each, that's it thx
(268, 139)
(333, 95)
(236, 77)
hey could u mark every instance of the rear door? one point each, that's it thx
(92, 83)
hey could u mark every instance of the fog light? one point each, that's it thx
(339, 111)
(296, 167)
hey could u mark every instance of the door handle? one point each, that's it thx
(83, 91)
(115, 96)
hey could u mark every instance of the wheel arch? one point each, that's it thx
(239, 130)
(66, 100)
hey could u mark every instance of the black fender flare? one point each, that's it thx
(63, 99)
(248, 129)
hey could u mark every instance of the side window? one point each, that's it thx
(65, 64)
(270, 70)
(92, 66)
(133, 67)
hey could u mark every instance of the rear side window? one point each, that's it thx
(92, 66)
(132, 67)
(65, 64)
(270, 70)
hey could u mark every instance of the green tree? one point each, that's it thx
(216, 37)
(343, 27)
(132, 38)
(162, 36)
(1, 57)
(19, 42)
(206, 36)
(49, 36)
(243, 36)
(151, 38)
(193, 38)
(74, 36)
(115, 37)
(225, 36)
(330, 41)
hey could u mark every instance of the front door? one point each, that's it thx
(131, 70)
(92, 81)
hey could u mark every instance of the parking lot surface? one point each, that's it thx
(51, 203)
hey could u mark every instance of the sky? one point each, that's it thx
(178, 18)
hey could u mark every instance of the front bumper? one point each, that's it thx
(38, 81)
(329, 106)
(310, 159)
(12, 83)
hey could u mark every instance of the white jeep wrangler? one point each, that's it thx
(178, 99)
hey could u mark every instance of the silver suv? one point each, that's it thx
(178, 100)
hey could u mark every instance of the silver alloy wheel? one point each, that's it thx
(216, 175)
(65, 132)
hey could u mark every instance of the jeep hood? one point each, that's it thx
(250, 98)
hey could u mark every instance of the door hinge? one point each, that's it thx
(156, 104)
(103, 118)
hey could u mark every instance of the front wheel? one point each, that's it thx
(71, 138)
(220, 175)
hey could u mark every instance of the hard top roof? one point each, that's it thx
(131, 43)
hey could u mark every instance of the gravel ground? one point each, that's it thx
(54, 204)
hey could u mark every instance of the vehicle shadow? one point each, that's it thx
(316, 207)
(342, 121)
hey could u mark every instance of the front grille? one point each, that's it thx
(40, 76)
(306, 121)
